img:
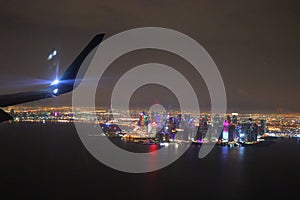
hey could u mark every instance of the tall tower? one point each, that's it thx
(110, 115)
(225, 131)
(202, 129)
(234, 118)
(263, 127)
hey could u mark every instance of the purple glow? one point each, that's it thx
(226, 123)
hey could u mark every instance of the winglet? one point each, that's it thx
(67, 79)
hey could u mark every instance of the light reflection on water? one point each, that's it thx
(57, 154)
(231, 157)
(231, 162)
(235, 153)
(171, 149)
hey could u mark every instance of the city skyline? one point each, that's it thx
(231, 129)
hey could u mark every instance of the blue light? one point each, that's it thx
(55, 91)
(55, 82)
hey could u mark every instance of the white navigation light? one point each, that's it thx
(55, 91)
(55, 82)
(50, 57)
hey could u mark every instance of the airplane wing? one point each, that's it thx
(23, 97)
(64, 84)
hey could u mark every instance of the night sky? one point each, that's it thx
(255, 44)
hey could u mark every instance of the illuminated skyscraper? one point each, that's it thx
(234, 118)
(217, 127)
(231, 132)
(202, 129)
(251, 130)
(263, 127)
(225, 131)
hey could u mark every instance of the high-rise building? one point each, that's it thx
(251, 131)
(234, 118)
(262, 127)
(242, 129)
(201, 129)
(225, 130)
(231, 132)
(216, 128)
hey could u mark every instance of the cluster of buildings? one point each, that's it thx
(244, 131)
(224, 131)
(232, 128)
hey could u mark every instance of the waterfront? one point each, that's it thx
(48, 161)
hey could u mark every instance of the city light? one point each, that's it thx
(232, 131)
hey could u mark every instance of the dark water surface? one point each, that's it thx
(48, 161)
